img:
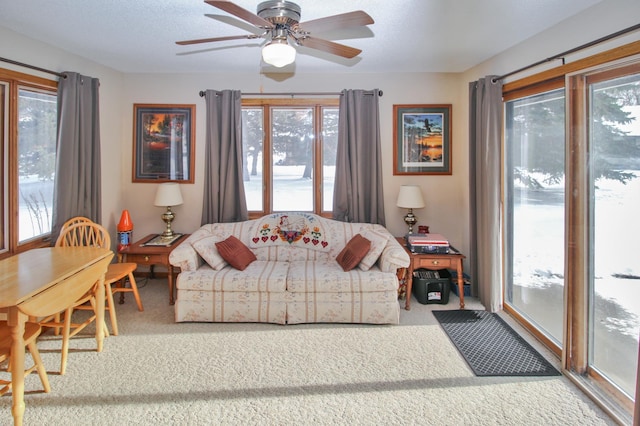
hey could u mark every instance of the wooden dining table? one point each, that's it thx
(41, 282)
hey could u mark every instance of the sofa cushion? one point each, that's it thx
(231, 306)
(328, 277)
(380, 307)
(235, 253)
(259, 276)
(355, 250)
(206, 248)
(378, 243)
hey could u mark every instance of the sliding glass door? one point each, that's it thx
(571, 233)
(614, 238)
(534, 182)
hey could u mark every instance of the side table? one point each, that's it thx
(433, 261)
(152, 255)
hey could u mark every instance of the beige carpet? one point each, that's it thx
(160, 372)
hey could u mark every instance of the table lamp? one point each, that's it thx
(410, 197)
(168, 195)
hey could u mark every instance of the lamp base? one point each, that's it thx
(168, 217)
(410, 220)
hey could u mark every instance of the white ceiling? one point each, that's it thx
(138, 36)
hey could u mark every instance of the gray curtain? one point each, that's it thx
(358, 195)
(224, 197)
(485, 129)
(77, 186)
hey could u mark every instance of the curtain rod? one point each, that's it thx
(33, 67)
(292, 94)
(575, 49)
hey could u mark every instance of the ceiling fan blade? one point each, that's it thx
(209, 40)
(241, 13)
(350, 19)
(329, 47)
(243, 25)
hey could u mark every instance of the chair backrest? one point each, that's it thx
(88, 234)
(74, 220)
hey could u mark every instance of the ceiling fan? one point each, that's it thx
(278, 21)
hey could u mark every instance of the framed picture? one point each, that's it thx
(163, 143)
(422, 139)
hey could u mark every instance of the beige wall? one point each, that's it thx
(446, 196)
(442, 193)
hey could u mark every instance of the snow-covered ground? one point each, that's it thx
(539, 270)
(292, 192)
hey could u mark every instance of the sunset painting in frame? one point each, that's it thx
(163, 148)
(422, 139)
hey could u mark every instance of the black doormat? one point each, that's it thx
(490, 346)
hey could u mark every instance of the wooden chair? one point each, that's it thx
(31, 332)
(92, 234)
(117, 272)
(83, 232)
(50, 321)
(52, 301)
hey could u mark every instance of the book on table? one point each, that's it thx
(427, 243)
(427, 240)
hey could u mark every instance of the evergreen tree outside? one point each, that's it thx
(543, 132)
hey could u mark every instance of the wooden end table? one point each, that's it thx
(433, 261)
(152, 255)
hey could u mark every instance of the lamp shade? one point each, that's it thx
(278, 53)
(410, 197)
(168, 194)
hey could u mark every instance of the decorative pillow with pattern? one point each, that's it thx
(206, 248)
(355, 250)
(378, 243)
(235, 253)
(302, 230)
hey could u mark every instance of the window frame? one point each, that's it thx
(318, 105)
(9, 182)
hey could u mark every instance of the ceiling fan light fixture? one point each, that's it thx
(278, 53)
(278, 22)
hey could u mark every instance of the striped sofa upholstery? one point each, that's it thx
(295, 278)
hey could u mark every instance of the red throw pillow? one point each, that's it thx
(235, 253)
(355, 250)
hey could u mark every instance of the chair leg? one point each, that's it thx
(134, 289)
(121, 287)
(35, 354)
(56, 318)
(6, 385)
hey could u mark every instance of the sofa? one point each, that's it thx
(293, 275)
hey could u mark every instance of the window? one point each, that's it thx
(28, 120)
(572, 175)
(290, 155)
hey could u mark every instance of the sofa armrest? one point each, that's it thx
(185, 256)
(393, 257)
